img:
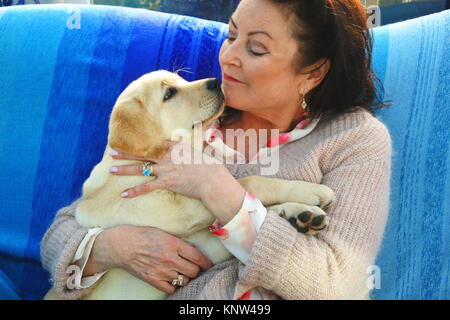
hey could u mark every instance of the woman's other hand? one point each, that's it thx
(149, 254)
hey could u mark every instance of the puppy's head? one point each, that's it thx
(151, 108)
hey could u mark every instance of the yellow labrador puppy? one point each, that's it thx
(148, 111)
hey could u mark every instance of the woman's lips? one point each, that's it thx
(230, 78)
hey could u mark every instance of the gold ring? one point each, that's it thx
(147, 169)
(178, 281)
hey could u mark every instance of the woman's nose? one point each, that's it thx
(230, 54)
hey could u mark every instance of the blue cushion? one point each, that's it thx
(63, 66)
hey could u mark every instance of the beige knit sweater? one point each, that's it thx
(350, 154)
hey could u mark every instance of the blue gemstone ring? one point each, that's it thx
(147, 169)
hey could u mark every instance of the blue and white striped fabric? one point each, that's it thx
(63, 66)
(413, 60)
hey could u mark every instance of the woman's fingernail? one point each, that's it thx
(124, 194)
(113, 169)
(114, 153)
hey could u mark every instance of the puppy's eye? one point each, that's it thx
(170, 93)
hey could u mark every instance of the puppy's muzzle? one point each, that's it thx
(212, 104)
(213, 85)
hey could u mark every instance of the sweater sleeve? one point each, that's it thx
(58, 248)
(334, 263)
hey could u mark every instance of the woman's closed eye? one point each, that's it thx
(253, 48)
(257, 49)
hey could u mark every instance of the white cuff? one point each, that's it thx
(239, 234)
(80, 259)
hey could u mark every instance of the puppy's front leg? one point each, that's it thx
(273, 191)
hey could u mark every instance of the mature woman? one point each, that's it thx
(304, 68)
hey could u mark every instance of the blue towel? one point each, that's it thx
(63, 66)
(414, 258)
(60, 79)
(8, 290)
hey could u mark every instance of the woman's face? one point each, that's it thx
(256, 60)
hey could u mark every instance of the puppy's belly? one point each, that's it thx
(210, 246)
(117, 284)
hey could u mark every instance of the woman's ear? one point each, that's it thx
(133, 130)
(313, 75)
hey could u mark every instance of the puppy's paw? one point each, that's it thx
(324, 196)
(306, 219)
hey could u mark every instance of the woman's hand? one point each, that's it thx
(185, 178)
(150, 254)
(208, 181)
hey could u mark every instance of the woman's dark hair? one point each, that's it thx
(336, 30)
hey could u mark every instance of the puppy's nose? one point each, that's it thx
(212, 84)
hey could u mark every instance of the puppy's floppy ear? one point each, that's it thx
(133, 130)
